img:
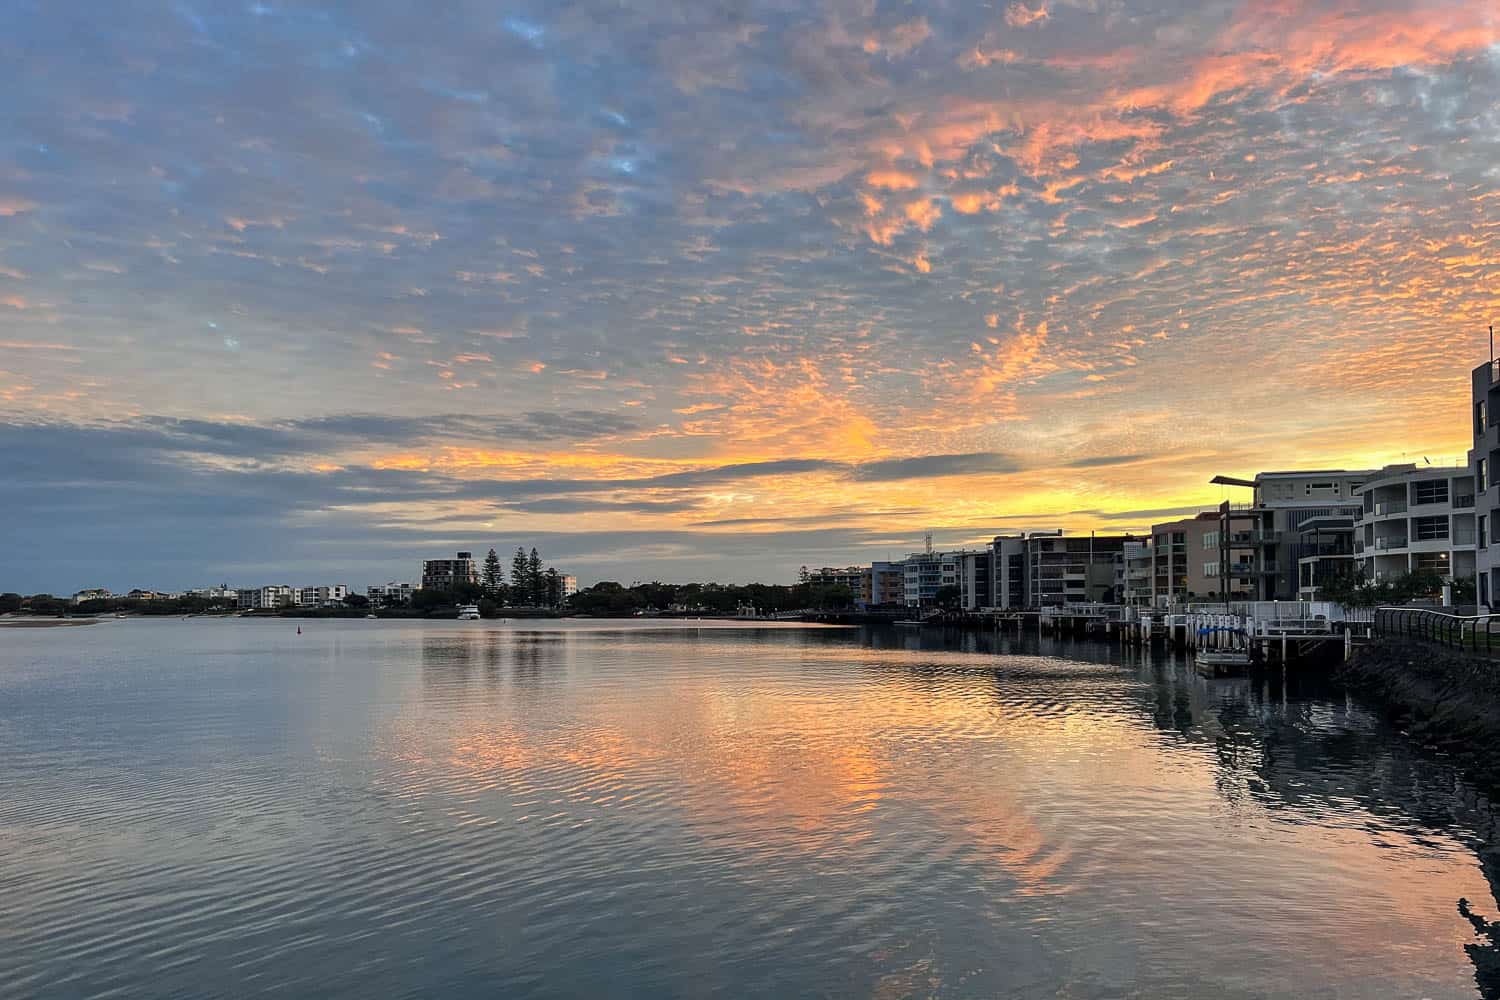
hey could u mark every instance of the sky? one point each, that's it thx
(307, 292)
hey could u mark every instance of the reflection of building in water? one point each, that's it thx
(1312, 763)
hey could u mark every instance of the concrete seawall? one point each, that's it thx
(1445, 699)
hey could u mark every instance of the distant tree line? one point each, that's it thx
(612, 598)
(46, 604)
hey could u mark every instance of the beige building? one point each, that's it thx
(1185, 560)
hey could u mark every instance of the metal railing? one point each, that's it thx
(1472, 633)
(1463, 502)
(1390, 507)
(1386, 544)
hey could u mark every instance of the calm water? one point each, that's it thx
(470, 809)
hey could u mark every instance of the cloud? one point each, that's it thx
(933, 466)
(693, 262)
(1018, 15)
(1100, 461)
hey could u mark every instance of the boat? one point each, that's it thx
(908, 624)
(468, 613)
(369, 616)
(1218, 662)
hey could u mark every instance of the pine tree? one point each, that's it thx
(535, 580)
(554, 588)
(520, 579)
(491, 575)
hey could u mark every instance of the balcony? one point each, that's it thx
(1270, 568)
(1242, 570)
(1462, 536)
(1464, 502)
(1390, 544)
(1390, 507)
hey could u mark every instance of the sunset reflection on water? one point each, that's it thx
(589, 809)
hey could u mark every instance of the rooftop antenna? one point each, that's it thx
(927, 539)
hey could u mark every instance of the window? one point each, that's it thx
(1482, 475)
(1210, 569)
(1429, 528)
(1432, 560)
(1430, 491)
(1179, 538)
(1210, 539)
(1481, 418)
(1483, 531)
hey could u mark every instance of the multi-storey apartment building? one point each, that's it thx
(321, 597)
(261, 598)
(856, 578)
(887, 584)
(569, 585)
(976, 583)
(1260, 542)
(1325, 551)
(1185, 560)
(1075, 570)
(1138, 574)
(1483, 460)
(1417, 518)
(390, 595)
(1010, 568)
(445, 574)
(928, 572)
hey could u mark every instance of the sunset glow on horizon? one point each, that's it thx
(702, 292)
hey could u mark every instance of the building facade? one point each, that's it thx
(887, 584)
(976, 580)
(1260, 542)
(1185, 560)
(1417, 518)
(1009, 569)
(1075, 569)
(1325, 552)
(446, 574)
(265, 598)
(1138, 574)
(569, 585)
(390, 595)
(1483, 459)
(321, 597)
(928, 572)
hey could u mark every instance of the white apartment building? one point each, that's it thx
(261, 598)
(390, 595)
(928, 572)
(95, 594)
(1417, 518)
(321, 597)
(222, 593)
(1138, 574)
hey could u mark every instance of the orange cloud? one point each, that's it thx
(892, 180)
(923, 212)
(1018, 15)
